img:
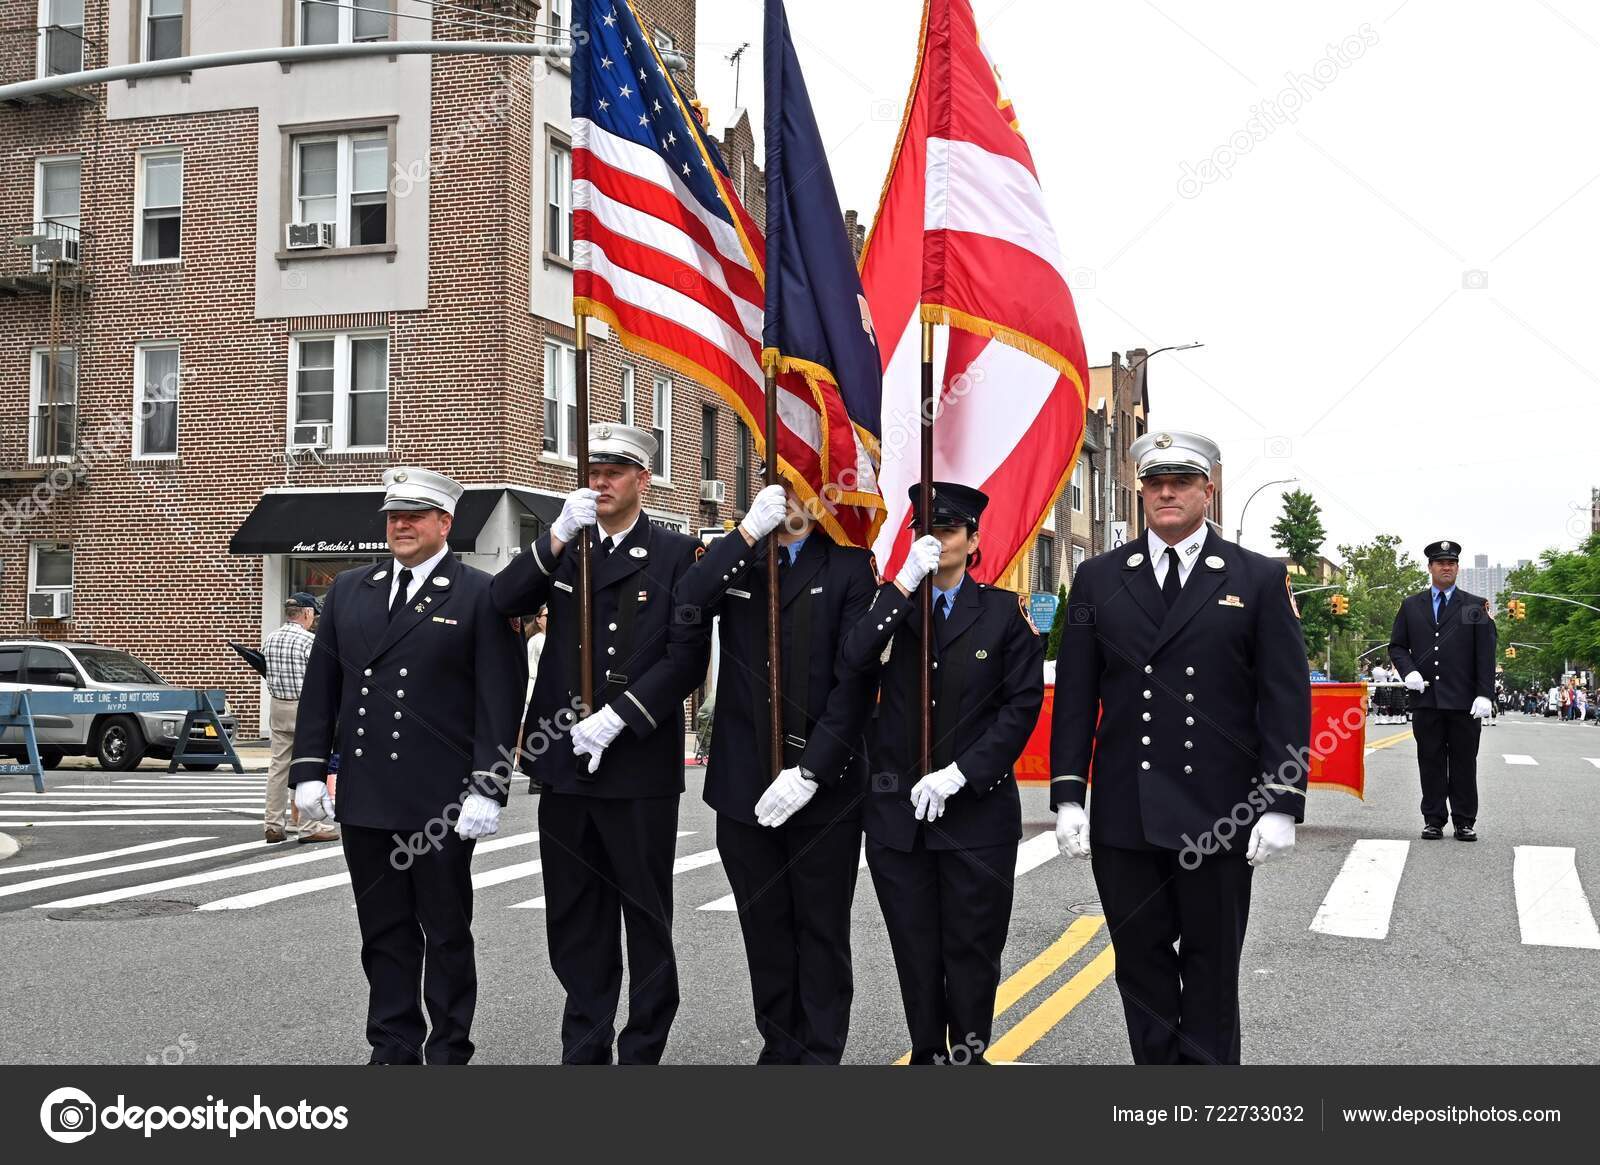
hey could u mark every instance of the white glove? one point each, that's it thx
(767, 512)
(785, 797)
(1415, 682)
(480, 817)
(1072, 830)
(1273, 835)
(592, 734)
(313, 801)
(576, 512)
(921, 561)
(930, 793)
(1481, 708)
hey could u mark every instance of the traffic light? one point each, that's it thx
(1511, 653)
(1339, 604)
(1518, 609)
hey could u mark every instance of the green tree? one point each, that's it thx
(1561, 634)
(1298, 532)
(1378, 575)
(1052, 647)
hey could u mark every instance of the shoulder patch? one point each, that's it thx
(1022, 605)
(1289, 588)
(699, 552)
(877, 574)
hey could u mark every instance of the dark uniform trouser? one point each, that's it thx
(1447, 758)
(1182, 1007)
(609, 861)
(794, 887)
(416, 928)
(947, 912)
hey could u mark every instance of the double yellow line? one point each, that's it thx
(1389, 741)
(1037, 1023)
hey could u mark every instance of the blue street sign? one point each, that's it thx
(1042, 607)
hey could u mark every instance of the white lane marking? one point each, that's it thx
(1517, 758)
(506, 874)
(1035, 852)
(132, 867)
(1552, 909)
(134, 822)
(244, 871)
(105, 855)
(114, 799)
(23, 816)
(1361, 899)
(726, 902)
(706, 857)
(331, 881)
(1594, 760)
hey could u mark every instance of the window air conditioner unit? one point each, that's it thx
(309, 236)
(58, 251)
(316, 435)
(49, 604)
(714, 492)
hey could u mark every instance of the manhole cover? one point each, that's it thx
(1090, 907)
(123, 911)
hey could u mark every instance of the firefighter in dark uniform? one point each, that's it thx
(415, 681)
(610, 777)
(1443, 643)
(942, 845)
(1183, 673)
(791, 845)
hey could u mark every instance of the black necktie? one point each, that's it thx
(1444, 601)
(609, 545)
(944, 606)
(402, 585)
(1170, 586)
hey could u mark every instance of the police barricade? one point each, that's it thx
(18, 709)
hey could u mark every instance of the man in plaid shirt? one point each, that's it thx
(288, 650)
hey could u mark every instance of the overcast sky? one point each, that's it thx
(1394, 280)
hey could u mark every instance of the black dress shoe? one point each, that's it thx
(1466, 833)
(1432, 833)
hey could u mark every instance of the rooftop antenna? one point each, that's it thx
(736, 59)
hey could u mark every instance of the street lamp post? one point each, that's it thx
(1111, 436)
(1239, 537)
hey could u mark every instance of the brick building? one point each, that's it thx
(201, 395)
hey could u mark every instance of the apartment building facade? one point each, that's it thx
(229, 300)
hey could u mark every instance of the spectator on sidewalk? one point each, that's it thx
(288, 650)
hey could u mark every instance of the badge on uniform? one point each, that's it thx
(738, 594)
(442, 619)
(981, 654)
(1231, 601)
(440, 581)
(639, 552)
(382, 574)
(643, 595)
(559, 585)
(420, 607)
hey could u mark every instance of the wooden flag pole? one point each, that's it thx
(925, 522)
(774, 608)
(585, 582)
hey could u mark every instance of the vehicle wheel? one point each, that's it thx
(51, 758)
(120, 745)
(194, 768)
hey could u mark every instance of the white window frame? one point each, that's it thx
(144, 27)
(33, 565)
(36, 394)
(1078, 555)
(558, 153)
(43, 57)
(1077, 487)
(661, 418)
(343, 368)
(344, 180)
(626, 379)
(347, 22)
(1096, 489)
(140, 352)
(563, 390)
(41, 224)
(557, 20)
(140, 188)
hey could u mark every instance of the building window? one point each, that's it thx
(1095, 500)
(341, 392)
(1077, 487)
(60, 37)
(1077, 559)
(53, 406)
(560, 399)
(160, 207)
(161, 30)
(157, 377)
(741, 471)
(1044, 561)
(343, 179)
(626, 392)
(661, 415)
(558, 198)
(708, 442)
(555, 20)
(342, 21)
(57, 201)
(50, 567)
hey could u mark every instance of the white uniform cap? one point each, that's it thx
(406, 488)
(1175, 452)
(621, 445)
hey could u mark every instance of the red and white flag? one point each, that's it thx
(962, 237)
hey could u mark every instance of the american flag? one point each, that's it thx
(666, 254)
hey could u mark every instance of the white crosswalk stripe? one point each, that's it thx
(137, 822)
(228, 872)
(106, 855)
(154, 863)
(1594, 760)
(1361, 899)
(708, 857)
(1552, 909)
(1517, 758)
(23, 816)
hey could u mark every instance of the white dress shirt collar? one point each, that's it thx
(1188, 553)
(619, 536)
(419, 573)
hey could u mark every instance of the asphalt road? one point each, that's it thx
(1487, 952)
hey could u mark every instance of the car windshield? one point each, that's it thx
(115, 667)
